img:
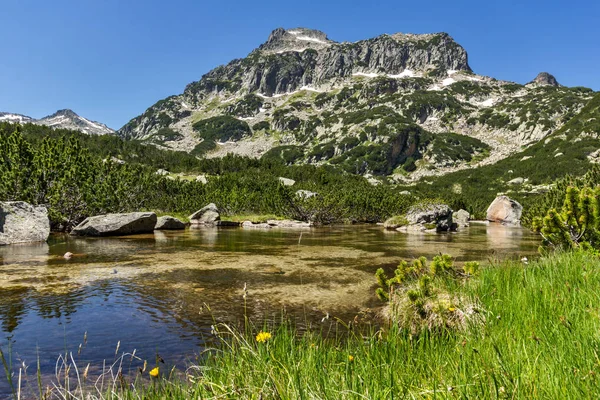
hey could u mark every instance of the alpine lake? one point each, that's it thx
(163, 293)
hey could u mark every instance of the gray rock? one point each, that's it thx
(516, 181)
(202, 178)
(21, 222)
(167, 223)
(286, 181)
(116, 224)
(206, 215)
(162, 172)
(289, 223)
(252, 225)
(227, 224)
(432, 217)
(461, 218)
(305, 194)
(505, 210)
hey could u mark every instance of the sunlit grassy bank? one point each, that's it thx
(539, 339)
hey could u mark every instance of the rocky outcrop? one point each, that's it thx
(116, 224)
(207, 215)
(545, 79)
(292, 67)
(516, 181)
(505, 210)
(286, 181)
(169, 223)
(461, 218)
(305, 194)
(21, 222)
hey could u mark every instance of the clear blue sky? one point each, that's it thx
(109, 60)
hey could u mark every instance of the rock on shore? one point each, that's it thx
(207, 215)
(21, 222)
(169, 223)
(505, 210)
(116, 224)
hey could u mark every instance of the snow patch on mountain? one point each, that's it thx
(62, 119)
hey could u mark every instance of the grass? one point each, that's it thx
(540, 339)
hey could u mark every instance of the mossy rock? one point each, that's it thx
(395, 222)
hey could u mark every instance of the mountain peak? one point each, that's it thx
(545, 79)
(295, 39)
(68, 119)
(66, 112)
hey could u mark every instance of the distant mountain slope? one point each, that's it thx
(403, 105)
(15, 118)
(64, 119)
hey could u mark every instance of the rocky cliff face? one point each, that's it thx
(404, 105)
(62, 119)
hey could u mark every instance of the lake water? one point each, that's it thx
(162, 292)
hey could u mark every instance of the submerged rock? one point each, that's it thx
(206, 215)
(169, 223)
(258, 225)
(116, 224)
(505, 210)
(21, 222)
(289, 223)
(227, 224)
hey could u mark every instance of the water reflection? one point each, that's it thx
(152, 292)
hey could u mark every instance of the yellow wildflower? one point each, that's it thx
(350, 358)
(154, 372)
(263, 337)
(451, 309)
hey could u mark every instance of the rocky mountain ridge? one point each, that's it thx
(403, 105)
(62, 119)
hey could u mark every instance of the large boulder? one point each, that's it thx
(20, 222)
(505, 210)
(167, 223)
(461, 218)
(116, 224)
(429, 217)
(207, 215)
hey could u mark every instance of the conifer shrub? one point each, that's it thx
(419, 297)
